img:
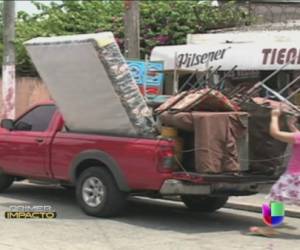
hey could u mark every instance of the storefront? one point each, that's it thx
(254, 54)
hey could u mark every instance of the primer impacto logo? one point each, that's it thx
(30, 212)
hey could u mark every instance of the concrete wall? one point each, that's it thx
(276, 12)
(29, 91)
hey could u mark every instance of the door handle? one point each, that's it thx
(39, 140)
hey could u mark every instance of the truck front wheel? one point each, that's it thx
(204, 203)
(98, 194)
(5, 181)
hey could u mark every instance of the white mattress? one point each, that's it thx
(85, 80)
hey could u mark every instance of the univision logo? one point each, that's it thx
(273, 213)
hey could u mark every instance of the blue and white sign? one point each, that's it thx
(150, 73)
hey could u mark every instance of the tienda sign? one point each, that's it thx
(281, 56)
(247, 56)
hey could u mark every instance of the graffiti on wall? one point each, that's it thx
(8, 92)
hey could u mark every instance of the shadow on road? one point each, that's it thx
(145, 213)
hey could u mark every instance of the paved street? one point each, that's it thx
(147, 224)
(254, 203)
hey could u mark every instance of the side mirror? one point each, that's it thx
(7, 124)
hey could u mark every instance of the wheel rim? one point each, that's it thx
(93, 191)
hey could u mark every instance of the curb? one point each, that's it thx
(257, 209)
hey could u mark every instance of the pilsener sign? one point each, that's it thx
(194, 59)
(247, 56)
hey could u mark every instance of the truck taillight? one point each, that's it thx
(166, 160)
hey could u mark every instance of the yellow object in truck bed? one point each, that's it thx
(170, 132)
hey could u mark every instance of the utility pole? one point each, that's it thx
(8, 67)
(132, 29)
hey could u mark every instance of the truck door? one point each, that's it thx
(26, 149)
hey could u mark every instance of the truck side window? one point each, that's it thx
(37, 119)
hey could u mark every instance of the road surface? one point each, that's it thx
(146, 224)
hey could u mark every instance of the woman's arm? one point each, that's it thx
(275, 130)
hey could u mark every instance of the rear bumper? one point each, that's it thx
(176, 187)
(179, 187)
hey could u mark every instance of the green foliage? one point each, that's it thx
(228, 15)
(162, 22)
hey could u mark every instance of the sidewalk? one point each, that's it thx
(254, 202)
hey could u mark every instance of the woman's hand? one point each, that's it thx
(276, 112)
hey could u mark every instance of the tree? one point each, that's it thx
(1, 28)
(162, 22)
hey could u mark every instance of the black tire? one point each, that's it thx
(112, 201)
(207, 204)
(5, 181)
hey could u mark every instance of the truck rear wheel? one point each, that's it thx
(204, 203)
(98, 194)
(5, 181)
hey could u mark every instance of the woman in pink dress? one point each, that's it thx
(287, 188)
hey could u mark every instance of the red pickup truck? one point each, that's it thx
(106, 169)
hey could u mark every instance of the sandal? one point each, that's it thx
(263, 231)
